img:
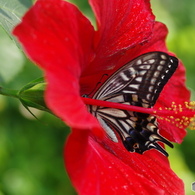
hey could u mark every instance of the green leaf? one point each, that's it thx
(11, 12)
(11, 59)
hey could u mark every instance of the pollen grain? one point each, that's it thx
(178, 115)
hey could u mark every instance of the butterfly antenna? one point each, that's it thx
(96, 87)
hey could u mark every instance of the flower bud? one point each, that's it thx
(32, 95)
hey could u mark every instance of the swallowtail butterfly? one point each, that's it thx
(137, 83)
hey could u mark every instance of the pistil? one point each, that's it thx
(182, 115)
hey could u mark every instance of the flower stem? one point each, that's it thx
(9, 92)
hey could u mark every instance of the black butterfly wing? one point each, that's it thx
(153, 72)
(142, 79)
(139, 83)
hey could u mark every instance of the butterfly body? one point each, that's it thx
(137, 83)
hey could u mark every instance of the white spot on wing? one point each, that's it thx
(118, 98)
(164, 57)
(133, 118)
(148, 96)
(134, 86)
(151, 138)
(139, 79)
(135, 98)
(156, 74)
(141, 73)
(145, 105)
(151, 61)
(125, 125)
(108, 130)
(151, 88)
(131, 123)
(112, 112)
(124, 77)
(153, 80)
(131, 92)
(159, 68)
(151, 127)
(162, 62)
(145, 67)
(116, 84)
(133, 72)
(139, 62)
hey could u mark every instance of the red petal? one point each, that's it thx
(107, 168)
(155, 43)
(122, 25)
(59, 38)
(101, 66)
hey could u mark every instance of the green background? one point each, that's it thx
(31, 150)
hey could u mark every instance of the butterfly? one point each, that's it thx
(137, 83)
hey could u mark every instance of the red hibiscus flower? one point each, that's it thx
(76, 60)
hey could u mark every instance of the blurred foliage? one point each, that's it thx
(31, 150)
(179, 16)
(10, 13)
